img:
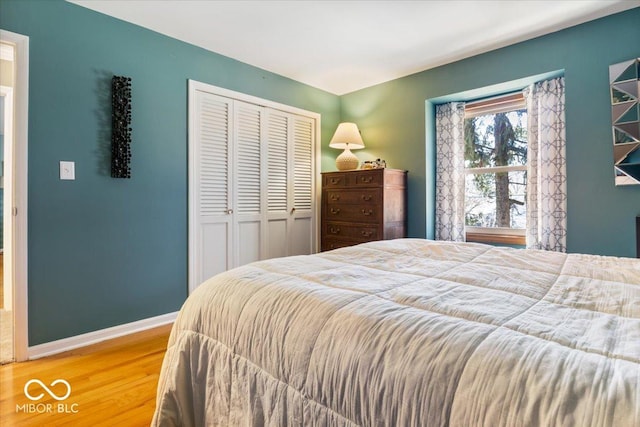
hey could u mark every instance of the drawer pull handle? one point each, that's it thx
(366, 197)
(366, 233)
(333, 230)
(335, 211)
(335, 197)
(334, 181)
(367, 212)
(366, 179)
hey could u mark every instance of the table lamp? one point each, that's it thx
(347, 137)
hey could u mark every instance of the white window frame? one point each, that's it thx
(498, 104)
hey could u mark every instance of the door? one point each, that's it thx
(16, 97)
(278, 178)
(251, 181)
(210, 192)
(6, 193)
(247, 179)
(290, 204)
(227, 153)
(301, 240)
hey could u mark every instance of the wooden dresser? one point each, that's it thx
(361, 206)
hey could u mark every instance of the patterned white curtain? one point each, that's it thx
(450, 177)
(546, 172)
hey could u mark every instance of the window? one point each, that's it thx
(496, 170)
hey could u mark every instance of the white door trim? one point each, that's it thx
(19, 243)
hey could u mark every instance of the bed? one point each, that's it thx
(409, 332)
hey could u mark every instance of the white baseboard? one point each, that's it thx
(66, 344)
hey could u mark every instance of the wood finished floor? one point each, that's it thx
(113, 383)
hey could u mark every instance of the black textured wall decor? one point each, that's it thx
(120, 127)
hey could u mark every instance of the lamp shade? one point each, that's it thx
(347, 135)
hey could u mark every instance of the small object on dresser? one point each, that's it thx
(367, 164)
(381, 163)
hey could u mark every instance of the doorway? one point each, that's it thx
(7, 65)
(14, 59)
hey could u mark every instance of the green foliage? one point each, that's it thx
(481, 149)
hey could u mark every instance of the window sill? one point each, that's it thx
(503, 239)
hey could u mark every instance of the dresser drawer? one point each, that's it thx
(364, 197)
(334, 180)
(336, 229)
(372, 177)
(355, 213)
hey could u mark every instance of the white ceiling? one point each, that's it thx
(343, 46)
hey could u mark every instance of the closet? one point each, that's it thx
(252, 187)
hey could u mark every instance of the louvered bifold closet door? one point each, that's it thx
(248, 171)
(278, 176)
(301, 226)
(251, 181)
(212, 128)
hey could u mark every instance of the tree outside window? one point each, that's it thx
(496, 168)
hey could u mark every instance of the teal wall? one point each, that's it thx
(104, 251)
(396, 121)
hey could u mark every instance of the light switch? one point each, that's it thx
(67, 170)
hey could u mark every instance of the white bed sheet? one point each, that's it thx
(409, 332)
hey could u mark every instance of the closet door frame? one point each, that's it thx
(193, 88)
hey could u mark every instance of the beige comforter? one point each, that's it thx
(409, 333)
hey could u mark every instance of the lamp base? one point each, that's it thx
(347, 161)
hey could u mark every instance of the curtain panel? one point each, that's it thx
(546, 171)
(450, 177)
